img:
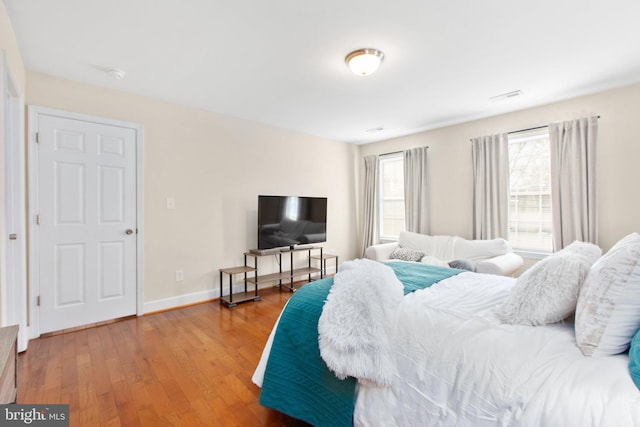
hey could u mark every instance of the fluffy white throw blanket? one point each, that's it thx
(355, 324)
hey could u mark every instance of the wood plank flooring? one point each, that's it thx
(186, 367)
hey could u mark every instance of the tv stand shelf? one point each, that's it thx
(232, 299)
(284, 278)
(285, 274)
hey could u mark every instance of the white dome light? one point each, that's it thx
(115, 73)
(364, 61)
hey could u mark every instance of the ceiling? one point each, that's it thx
(281, 62)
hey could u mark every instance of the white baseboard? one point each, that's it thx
(187, 299)
(196, 297)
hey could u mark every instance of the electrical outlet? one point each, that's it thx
(179, 276)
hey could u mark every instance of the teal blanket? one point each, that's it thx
(297, 381)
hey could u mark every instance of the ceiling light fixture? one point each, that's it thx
(115, 73)
(364, 61)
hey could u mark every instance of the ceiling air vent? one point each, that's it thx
(507, 95)
(374, 130)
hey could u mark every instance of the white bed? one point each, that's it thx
(460, 366)
(457, 364)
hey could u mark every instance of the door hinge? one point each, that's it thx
(37, 137)
(13, 236)
(38, 219)
(38, 300)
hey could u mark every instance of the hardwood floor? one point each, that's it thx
(186, 367)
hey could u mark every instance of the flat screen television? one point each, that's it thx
(287, 221)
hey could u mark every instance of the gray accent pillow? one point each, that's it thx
(406, 254)
(464, 264)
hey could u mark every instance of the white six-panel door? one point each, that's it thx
(86, 214)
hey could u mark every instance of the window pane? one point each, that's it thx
(391, 196)
(530, 197)
(393, 178)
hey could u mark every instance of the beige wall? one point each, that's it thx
(9, 46)
(11, 54)
(617, 163)
(215, 167)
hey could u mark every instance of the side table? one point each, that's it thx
(323, 263)
(232, 299)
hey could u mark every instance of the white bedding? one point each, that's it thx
(457, 365)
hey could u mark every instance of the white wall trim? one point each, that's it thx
(180, 300)
(34, 285)
(14, 306)
(140, 219)
(193, 298)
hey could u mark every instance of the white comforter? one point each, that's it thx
(457, 365)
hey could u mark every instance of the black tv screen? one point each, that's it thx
(286, 221)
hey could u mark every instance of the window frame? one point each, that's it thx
(519, 137)
(384, 238)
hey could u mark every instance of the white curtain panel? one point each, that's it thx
(370, 231)
(573, 189)
(416, 196)
(490, 186)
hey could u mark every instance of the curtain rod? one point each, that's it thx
(526, 130)
(397, 152)
(533, 128)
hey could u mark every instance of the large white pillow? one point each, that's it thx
(431, 260)
(478, 250)
(548, 291)
(441, 247)
(608, 311)
(417, 241)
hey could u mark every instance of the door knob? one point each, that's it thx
(129, 231)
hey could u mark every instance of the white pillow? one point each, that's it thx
(417, 241)
(431, 260)
(548, 291)
(477, 250)
(608, 311)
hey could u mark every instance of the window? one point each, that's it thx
(391, 191)
(530, 191)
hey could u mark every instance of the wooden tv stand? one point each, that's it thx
(285, 274)
(284, 277)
